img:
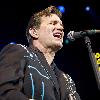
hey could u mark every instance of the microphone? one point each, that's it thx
(73, 35)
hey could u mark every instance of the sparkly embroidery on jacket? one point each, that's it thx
(32, 85)
(23, 47)
(42, 95)
(38, 72)
(70, 86)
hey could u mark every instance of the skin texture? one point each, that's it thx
(49, 37)
(45, 35)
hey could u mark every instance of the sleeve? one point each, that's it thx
(71, 89)
(11, 73)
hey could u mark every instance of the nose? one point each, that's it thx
(60, 27)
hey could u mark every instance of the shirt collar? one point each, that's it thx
(37, 51)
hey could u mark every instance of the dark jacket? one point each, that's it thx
(25, 74)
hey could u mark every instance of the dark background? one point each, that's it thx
(73, 58)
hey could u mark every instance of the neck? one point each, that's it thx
(48, 52)
(49, 55)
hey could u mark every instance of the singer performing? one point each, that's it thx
(29, 72)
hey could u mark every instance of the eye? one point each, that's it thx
(53, 22)
(50, 23)
(56, 22)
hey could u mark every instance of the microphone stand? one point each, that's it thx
(93, 61)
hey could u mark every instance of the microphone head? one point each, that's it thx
(73, 35)
(70, 36)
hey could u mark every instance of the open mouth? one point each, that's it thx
(58, 35)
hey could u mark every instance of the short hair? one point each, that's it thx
(35, 20)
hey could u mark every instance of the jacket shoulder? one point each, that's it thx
(12, 52)
(13, 47)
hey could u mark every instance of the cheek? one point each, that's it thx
(46, 30)
(50, 29)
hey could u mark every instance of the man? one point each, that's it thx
(29, 73)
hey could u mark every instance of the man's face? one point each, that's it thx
(51, 32)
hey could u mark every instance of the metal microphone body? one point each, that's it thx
(73, 35)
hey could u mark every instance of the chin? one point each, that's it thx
(57, 47)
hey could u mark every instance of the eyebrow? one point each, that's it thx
(57, 22)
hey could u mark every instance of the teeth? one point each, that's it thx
(57, 35)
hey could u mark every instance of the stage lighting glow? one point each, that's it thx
(12, 43)
(61, 8)
(66, 41)
(87, 8)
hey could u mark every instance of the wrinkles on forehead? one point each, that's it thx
(52, 18)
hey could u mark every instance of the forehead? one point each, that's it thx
(52, 17)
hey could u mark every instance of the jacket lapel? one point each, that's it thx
(48, 70)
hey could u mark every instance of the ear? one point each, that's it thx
(33, 33)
